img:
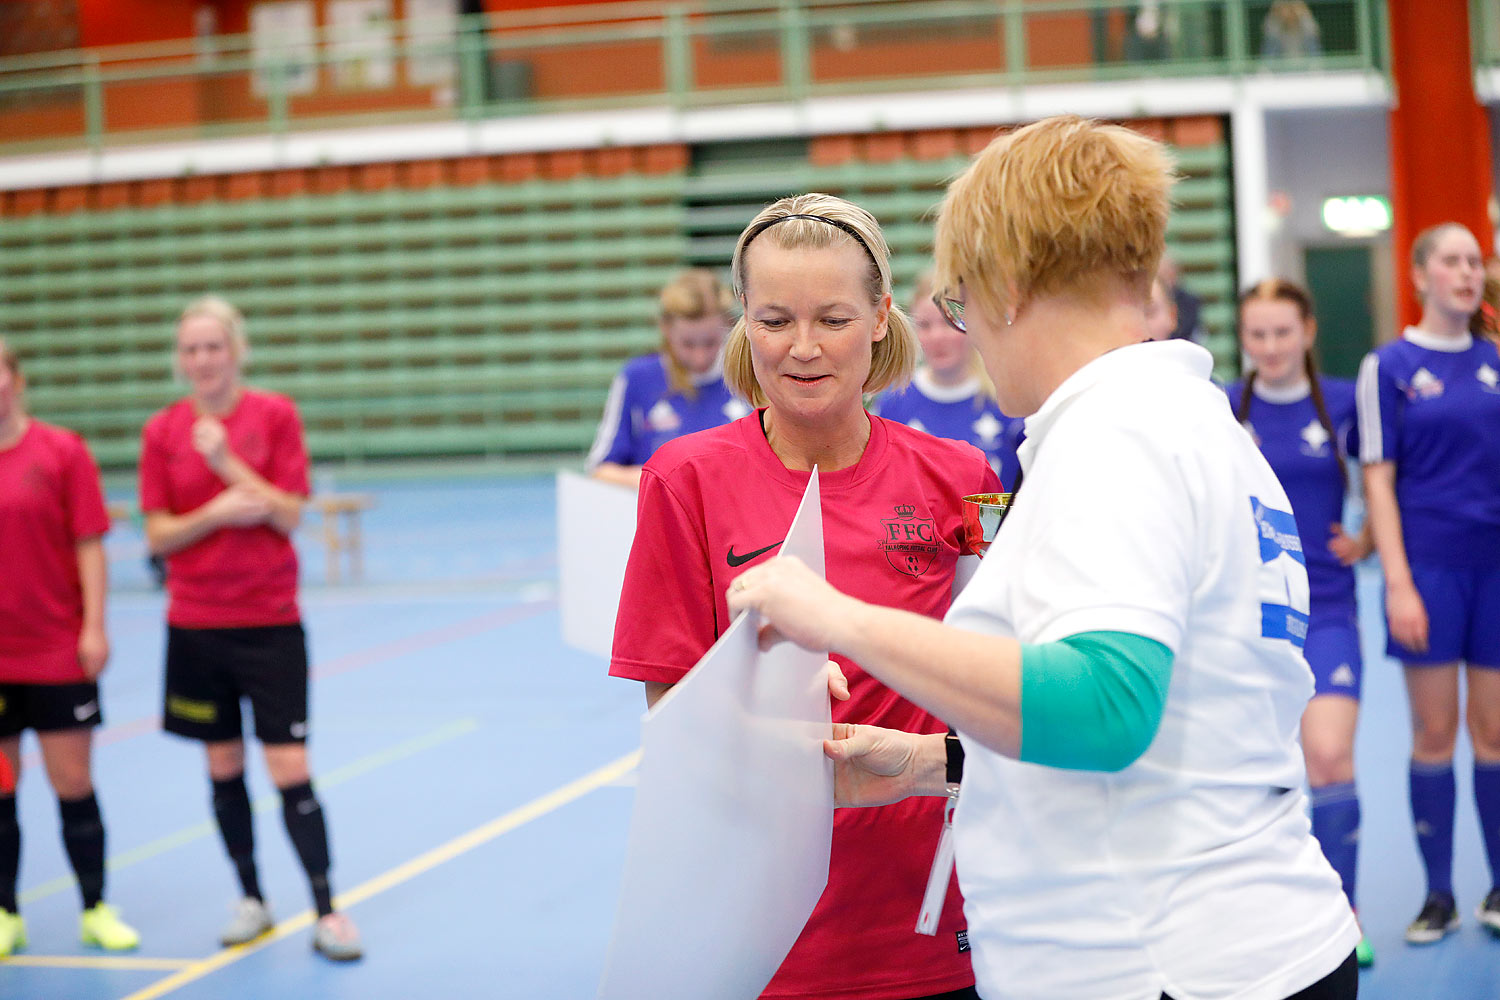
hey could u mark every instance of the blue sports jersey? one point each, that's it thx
(1432, 406)
(1306, 461)
(959, 413)
(643, 412)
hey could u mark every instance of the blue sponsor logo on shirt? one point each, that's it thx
(1277, 621)
(1278, 532)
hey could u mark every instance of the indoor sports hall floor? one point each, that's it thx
(476, 774)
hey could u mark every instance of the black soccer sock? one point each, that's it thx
(10, 853)
(83, 838)
(237, 827)
(304, 824)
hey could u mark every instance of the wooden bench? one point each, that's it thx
(341, 530)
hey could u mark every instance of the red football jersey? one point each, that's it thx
(234, 577)
(712, 504)
(50, 500)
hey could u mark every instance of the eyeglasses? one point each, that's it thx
(952, 310)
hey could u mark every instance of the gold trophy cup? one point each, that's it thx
(983, 513)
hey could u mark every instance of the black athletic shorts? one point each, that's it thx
(209, 671)
(48, 707)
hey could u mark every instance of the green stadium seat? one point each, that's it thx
(485, 319)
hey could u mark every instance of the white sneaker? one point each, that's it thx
(1439, 917)
(1489, 912)
(251, 919)
(336, 938)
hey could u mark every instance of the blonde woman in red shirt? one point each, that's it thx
(223, 476)
(52, 647)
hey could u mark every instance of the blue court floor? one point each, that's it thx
(476, 775)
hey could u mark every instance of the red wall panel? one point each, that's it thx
(123, 22)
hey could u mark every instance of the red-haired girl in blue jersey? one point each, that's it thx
(1304, 423)
(1429, 423)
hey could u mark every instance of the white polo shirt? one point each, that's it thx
(1193, 871)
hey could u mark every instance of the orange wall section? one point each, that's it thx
(121, 22)
(500, 6)
(515, 168)
(1440, 134)
(608, 68)
(124, 22)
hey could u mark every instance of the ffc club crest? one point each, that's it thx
(909, 542)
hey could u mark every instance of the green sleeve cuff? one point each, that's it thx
(1092, 701)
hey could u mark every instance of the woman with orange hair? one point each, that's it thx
(1124, 669)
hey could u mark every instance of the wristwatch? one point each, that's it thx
(955, 767)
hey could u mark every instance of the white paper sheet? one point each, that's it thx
(595, 526)
(733, 820)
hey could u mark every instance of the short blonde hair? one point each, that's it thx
(8, 358)
(693, 294)
(1054, 207)
(894, 356)
(231, 319)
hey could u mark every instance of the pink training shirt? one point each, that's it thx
(50, 500)
(233, 577)
(714, 503)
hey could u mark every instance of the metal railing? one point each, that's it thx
(650, 54)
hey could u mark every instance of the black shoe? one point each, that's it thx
(1489, 912)
(1439, 916)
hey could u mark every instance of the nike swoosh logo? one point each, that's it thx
(734, 560)
(82, 712)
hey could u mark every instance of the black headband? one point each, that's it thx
(761, 227)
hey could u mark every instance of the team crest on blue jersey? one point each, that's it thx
(1315, 440)
(1489, 377)
(909, 542)
(988, 429)
(1424, 385)
(662, 418)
